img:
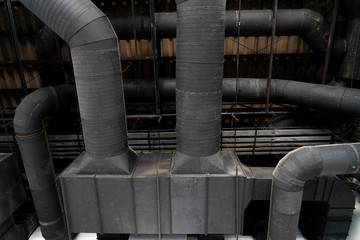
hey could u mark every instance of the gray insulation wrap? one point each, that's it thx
(291, 174)
(32, 141)
(199, 69)
(330, 99)
(96, 63)
(307, 24)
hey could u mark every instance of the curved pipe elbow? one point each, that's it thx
(315, 30)
(307, 162)
(35, 106)
(291, 174)
(36, 156)
(296, 168)
(31, 111)
(81, 23)
(312, 20)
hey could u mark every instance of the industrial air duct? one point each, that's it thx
(199, 69)
(291, 174)
(307, 24)
(96, 63)
(32, 141)
(331, 99)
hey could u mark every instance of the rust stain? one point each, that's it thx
(257, 87)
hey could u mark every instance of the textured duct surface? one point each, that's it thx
(199, 69)
(330, 99)
(290, 176)
(32, 141)
(94, 49)
(307, 24)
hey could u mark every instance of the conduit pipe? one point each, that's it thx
(331, 99)
(199, 69)
(96, 63)
(291, 174)
(32, 141)
(307, 24)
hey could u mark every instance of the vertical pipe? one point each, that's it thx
(199, 70)
(134, 25)
(97, 69)
(16, 45)
(237, 67)
(273, 30)
(330, 41)
(155, 56)
(34, 149)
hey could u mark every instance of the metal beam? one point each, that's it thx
(16, 45)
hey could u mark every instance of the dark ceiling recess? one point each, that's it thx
(174, 118)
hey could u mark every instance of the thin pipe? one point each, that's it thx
(16, 46)
(273, 30)
(134, 25)
(330, 41)
(155, 56)
(237, 68)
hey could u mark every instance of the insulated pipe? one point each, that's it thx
(291, 174)
(32, 141)
(331, 99)
(96, 63)
(199, 68)
(309, 25)
(350, 66)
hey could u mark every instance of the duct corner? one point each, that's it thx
(122, 164)
(218, 163)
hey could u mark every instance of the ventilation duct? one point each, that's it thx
(331, 99)
(307, 24)
(349, 67)
(199, 69)
(291, 174)
(32, 141)
(161, 191)
(96, 63)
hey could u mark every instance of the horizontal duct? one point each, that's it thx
(331, 99)
(307, 24)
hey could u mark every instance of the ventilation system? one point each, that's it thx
(202, 187)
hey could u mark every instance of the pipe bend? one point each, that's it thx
(297, 167)
(77, 22)
(36, 157)
(291, 174)
(35, 106)
(311, 19)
